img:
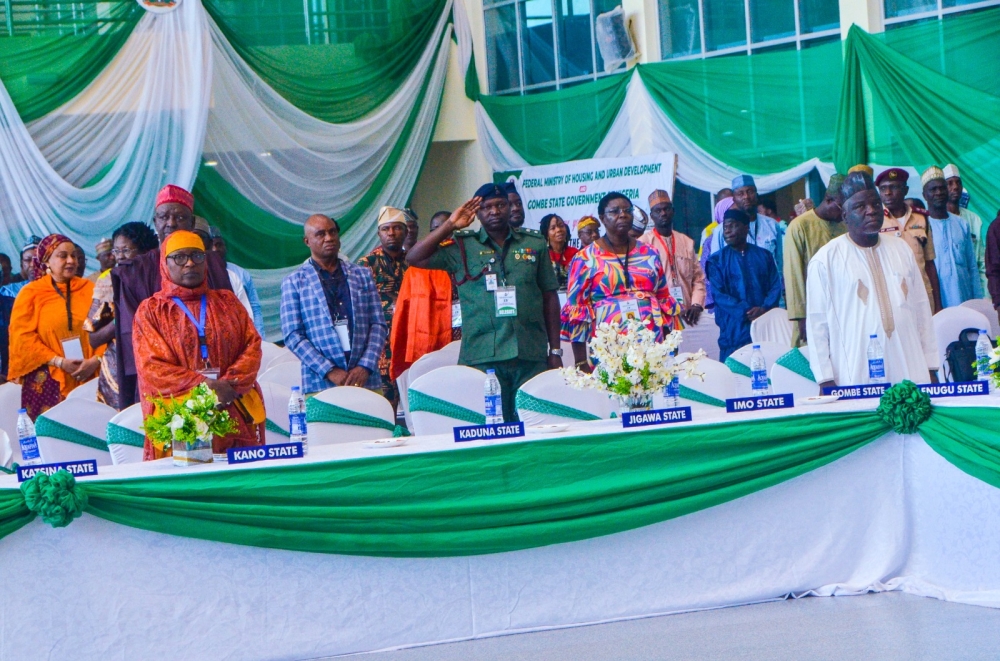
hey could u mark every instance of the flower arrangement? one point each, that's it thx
(995, 365)
(188, 423)
(630, 363)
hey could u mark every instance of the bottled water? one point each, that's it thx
(297, 429)
(876, 361)
(983, 350)
(673, 389)
(27, 439)
(758, 373)
(494, 405)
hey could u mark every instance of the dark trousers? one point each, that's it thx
(512, 374)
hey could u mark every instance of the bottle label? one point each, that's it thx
(297, 424)
(983, 366)
(674, 387)
(758, 380)
(494, 406)
(29, 448)
(876, 368)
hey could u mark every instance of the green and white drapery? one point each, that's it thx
(265, 136)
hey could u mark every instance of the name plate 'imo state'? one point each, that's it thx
(762, 403)
(656, 417)
(76, 468)
(960, 389)
(489, 432)
(264, 452)
(868, 391)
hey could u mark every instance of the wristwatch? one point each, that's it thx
(556, 352)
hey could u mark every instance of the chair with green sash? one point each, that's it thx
(791, 374)
(546, 400)
(126, 437)
(287, 374)
(446, 398)
(10, 403)
(709, 392)
(443, 357)
(74, 429)
(276, 398)
(347, 414)
(739, 363)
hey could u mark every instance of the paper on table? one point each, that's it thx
(72, 349)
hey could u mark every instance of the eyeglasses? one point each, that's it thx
(182, 258)
(123, 252)
(614, 213)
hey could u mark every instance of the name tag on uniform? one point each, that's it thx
(491, 281)
(343, 334)
(506, 300)
(456, 315)
(678, 295)
(629, 308)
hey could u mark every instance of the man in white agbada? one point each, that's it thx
(865, 283)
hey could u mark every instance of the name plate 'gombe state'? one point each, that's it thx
(656, 417)
(762, 403)
(264, 452)
(489, 432)
(960, 389)
(867, 391)
(76, 468)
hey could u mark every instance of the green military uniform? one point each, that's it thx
(516, 347)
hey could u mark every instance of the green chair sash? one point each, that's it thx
(527, 402)
(794, 361)
(319, 411)
(272, 428)
(423, 402)
(118, 435)
(48, 427)
(700, 397)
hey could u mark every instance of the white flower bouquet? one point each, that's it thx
(995, 365)
(186, 425)
(631, 364)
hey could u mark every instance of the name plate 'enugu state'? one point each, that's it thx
(762, 403)
(868, 391)
(489, 432)
(960, 389)
(264, 452)
(75, 468)
(656, 417)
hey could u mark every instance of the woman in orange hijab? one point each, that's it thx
(49, 351)
(187, 334)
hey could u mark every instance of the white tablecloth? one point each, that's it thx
(893, 515)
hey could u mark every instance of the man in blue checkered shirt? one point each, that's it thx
(331, 315)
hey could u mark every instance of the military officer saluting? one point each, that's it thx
(507, 289)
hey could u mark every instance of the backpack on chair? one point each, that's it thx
(960, 357)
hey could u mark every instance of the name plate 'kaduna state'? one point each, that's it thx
(857, 392)
(656, 417)
(264, 452)
(741, 404)
(76, 468)
(489, 432)
(961, 389)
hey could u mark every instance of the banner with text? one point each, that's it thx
(572, 190)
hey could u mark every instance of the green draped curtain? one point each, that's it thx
(50, 51)
(335, 60)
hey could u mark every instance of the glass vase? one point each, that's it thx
(192, 454)
(633, 403)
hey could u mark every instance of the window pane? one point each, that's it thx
(956, 3)
(725, 24)
(894, 8)
(576, 57)
(537, 51)
(680, 28)
(771, 19)
(818, 15)
(501, 48)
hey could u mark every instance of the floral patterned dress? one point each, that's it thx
(599, 291)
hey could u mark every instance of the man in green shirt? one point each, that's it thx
(506, 287)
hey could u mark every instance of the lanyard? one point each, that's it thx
(670, 254)
(503, 258)
(199, 323)
(69, 303)
(624, 264)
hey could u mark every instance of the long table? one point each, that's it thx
(892, 514)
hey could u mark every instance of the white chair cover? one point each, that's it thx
(269, 351)
(130, 419)
(717, 385)
(772, 326)
(551, 386)
(82, 415)
(285, 356)
(403, 385)
(276, 398)
(772, 352)
(6, 450)
(948, 323)
(787, 375)
(86, 391)
(443, 357)
(985, 307)
(357, 400)
(456, 384)
(703, 335)
(10, 404)
(286, 374)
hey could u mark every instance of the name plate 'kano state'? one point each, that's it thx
(76, 468)
(762, 403)
(489, 432)
(656, 417)
(961, 389)
(857, 392)
(264, 452)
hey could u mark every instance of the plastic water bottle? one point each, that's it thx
(494, 405)
(28, 440)
(876, 360)
(673, 390)
(758, 373)
(983, 350)
(297, 428)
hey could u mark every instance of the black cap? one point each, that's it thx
(737, 214)
(490, 191)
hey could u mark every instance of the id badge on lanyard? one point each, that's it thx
(206, 370)
(629, 308)
(678, 294)
(456, 315)
(343, 334)
(506, 301)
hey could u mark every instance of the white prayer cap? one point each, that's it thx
(388, 215)
(950, 171)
